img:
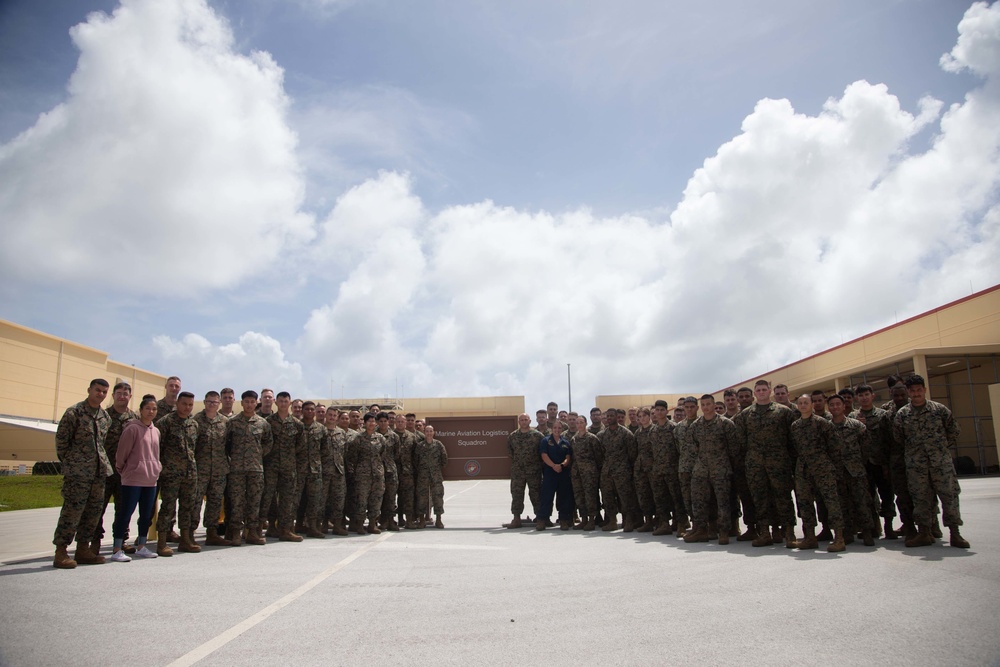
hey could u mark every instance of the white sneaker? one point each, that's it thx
(143, 552)
(120, 557)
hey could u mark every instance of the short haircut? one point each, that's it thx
(308, 403)
(892, 381)
(382, 415)
(552, 404)
(212, 394)
(661, 404)
(100, 381)
(865, 387)
(742, 389)
(708, 397)
(593, 410)
(541, 412)
(835, 397)
(266, 389)
(368, 417)
(643, 411)
(410, 414)
(818, 392)
(228, 390)
(283, 394)
(846, 391)
(249, 393)
(781, 386)
(729, 392)
(123, 385)
(914, 381)
(691, 400)
(173, 377)
(762, 382)
(185, 394)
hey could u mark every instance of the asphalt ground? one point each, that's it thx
(475, 593)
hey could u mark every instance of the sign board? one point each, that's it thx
(477, 446)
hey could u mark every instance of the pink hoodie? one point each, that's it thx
(138, 459)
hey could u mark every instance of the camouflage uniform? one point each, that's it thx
(588, 458)
(616, 475)
(179, 479)
(815, 470)
(595, 428)
(741, 488)
(162, 409)
(248, 441)
(365, 468)
(714, 443)
(850, 440)
(642, 472)
(685, 462)
(432, 458)
(280, 468)
(897, 472)
(927, 433)
(213, 468)
(769, 461)
(334, 479)
(309, 475)
(113, 484)
(665, 473)
(879, 425)
(525, 470)
(404, 468)
(85, 467)
(389, 455)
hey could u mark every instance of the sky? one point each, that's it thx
(381, 199)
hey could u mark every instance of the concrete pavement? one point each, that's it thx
(476, 593)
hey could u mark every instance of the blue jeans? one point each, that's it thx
(145, 498)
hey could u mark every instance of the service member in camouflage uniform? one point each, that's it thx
(851, 438)
(897, 466)
(280, 468)
(364, 465)
(334, 473)
(588, 458)
(928, 432)
(167, 404)
(713, 439)
(309, 475)
(213, 468)
(616, 475)
(85, 467)
(248, 441)
(769, 461)
(736, 402)
(387, 517)
(815, 472)
(665, 468)
(643, 472)
(686, 454)
(432, 458)
(595, 421)
(120, 415)
(404, 468)
(179, 478)
(525, 468)
(879, 425)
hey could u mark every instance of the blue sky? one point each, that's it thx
(475, 194)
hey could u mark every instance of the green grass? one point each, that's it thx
(26, 492)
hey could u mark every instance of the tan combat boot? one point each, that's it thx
(724, 536)
(161, 546)
(699, 534)
(956, 538)
(187, 543)
(748, 535)
(808, 540)
(314, 532)
(763, 536)
(438, 524)
(62, 559)
(867, 538)
(254, 537)
(339, 528)
(373, 527)
(393, 527)
(647, 526)
(837, 545)
(936, 528)
(790, 537)
(173, 537)
(358, 525)
(589, 526)
(923, 538)
(212, 538)
(237, 535)
(540, 524)
(629, 525)
(287, 535)
(663, 528)
(421, 521)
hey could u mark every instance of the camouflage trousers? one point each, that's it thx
(653, 492)
(280, 484)
(771, 481)
(406, 494)
(684, 480)
(80, 512)
(389, 499)
(930, 474)
(643, 490)
(855, 501)
(708, 480)
(522, 475)
(427, 481)
(112, 489)
(671, 478)
(334, 492)
(309, 505)
(617, 487)
(586, 488)
(899, 481)
(213, 489)
(880, 490)
(819, 477)
(741, 494)
(369, 487)
(245, 490)
(177, 491)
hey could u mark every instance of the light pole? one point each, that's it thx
(569, 387)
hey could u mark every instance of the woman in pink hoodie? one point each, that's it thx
(138, 463)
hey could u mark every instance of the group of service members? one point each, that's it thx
(280, 467)
(850, 464)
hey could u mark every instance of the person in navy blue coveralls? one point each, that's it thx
(556, 453)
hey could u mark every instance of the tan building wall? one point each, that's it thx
(626, 401)
(477, 406)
